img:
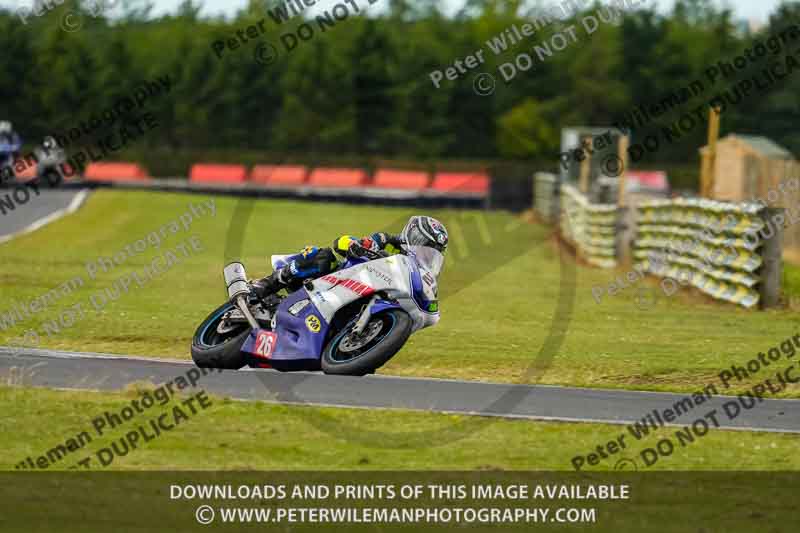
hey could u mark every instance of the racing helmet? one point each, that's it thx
(5, 126)
(49, 143)
(425, 231)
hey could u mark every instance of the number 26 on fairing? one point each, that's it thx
(265, 344)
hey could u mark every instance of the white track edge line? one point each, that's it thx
(4, 350)
(73, 206)
(89, 355)
(542, 418)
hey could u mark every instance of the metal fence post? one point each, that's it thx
(772, 255)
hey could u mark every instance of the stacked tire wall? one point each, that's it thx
(722, 249)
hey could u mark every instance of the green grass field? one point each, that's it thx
(500, 290)
(232, 435)
(504, 286)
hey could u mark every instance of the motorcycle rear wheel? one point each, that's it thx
(52, 178)
(212, 350)
(352, 355)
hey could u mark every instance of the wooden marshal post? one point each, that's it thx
(626, 217)
(586, 170)
(709, 160)
(624, 143)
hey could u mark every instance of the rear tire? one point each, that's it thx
(210, 350)
(339, 356)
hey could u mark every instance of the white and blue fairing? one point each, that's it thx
(411, 280)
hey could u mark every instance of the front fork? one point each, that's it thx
(366, 313)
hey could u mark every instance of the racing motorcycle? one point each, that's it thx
(7, 151)
(51, 158)
(349, 322)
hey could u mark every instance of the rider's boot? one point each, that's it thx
(273, 283)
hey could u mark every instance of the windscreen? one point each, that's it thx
(428, 258)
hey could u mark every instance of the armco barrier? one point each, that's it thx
(545, 196)
(28, 173)
(338, 177)
(205, 173)
(281, 175)
(462, 182)
(386, 178)
(722, 249)
(115, 172)
(589, 228)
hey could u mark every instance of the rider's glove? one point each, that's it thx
(385, 239)
(357, 250)
(370, 243)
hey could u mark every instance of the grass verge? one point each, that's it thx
(500, 290)
(229, 435)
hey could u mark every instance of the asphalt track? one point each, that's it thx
(108, 373)
(40, 208)
(66, 370)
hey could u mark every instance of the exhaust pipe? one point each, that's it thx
(239, 290)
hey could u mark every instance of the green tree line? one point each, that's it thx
(361, 86)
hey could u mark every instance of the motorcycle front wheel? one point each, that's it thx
(358, 355)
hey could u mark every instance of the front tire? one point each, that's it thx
(384, 335)
(52, 178)
(212, 350)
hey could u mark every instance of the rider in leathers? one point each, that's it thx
(314, 262)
